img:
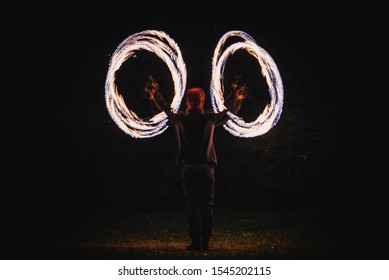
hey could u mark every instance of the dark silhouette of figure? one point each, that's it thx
(196, 154)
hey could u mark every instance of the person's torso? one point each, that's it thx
(195, 135)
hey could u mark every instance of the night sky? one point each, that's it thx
(73, 157)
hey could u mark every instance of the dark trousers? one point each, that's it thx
(199, 192)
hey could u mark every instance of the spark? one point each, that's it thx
(161, 44)
(272, 111)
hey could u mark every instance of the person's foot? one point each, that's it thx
(204, 242)
(194, 247)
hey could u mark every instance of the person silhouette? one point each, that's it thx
(196, 156)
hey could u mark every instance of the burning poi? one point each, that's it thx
(162, 45)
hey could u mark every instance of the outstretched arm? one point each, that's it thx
(234, 101)
(152, 88)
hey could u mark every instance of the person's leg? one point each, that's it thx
(189, 177)
(207, 203)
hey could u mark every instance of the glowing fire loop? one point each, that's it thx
(272, 112)
(165, 48)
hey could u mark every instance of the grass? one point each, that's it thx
(245, 234)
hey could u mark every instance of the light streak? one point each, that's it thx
(272, 112)
(159, 43)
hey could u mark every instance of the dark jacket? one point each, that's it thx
(194, 131)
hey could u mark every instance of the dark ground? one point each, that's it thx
(79, 176)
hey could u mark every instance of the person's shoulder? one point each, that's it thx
(179, 114)
(213, 113)
(209, 112)
(216, 117)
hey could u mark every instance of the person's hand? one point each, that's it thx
(240, 92)
(151, 87)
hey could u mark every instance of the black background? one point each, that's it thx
(71, 156)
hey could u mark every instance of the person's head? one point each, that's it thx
(194, 98)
